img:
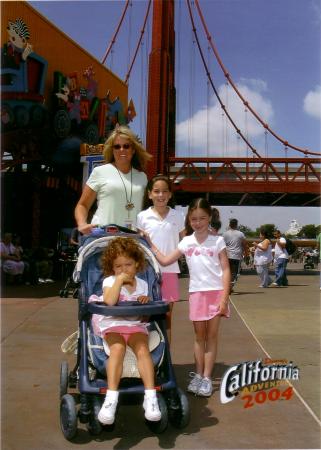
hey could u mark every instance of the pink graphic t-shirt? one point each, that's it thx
(203, 262)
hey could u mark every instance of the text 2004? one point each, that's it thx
(262, 396)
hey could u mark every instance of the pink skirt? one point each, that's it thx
(126, 332)
(170, 287)
(204, 305)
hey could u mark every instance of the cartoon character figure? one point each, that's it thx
(92, 84)
(18, 46)
(64, 94)
(72, 101)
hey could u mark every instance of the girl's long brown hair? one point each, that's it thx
(201, 203)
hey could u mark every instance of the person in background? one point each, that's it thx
(263, 258)
(117, 186)
(281, 258)
(209, 287)
(319, 251)
(165, 227)
(25, 257)
(11, 259)
(236, 247)
(216, 223)
(44, 264)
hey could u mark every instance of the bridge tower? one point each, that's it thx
(160, 134)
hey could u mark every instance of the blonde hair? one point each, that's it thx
(140, 158)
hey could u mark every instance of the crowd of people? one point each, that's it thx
(25, 266)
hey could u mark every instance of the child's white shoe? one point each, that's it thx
(107, 412)
(152, 411)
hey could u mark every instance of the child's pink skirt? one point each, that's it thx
(170, 287)
(126, 332)
(204, 305)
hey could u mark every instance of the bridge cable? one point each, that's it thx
(129, 40)
(213, 86)
(208, 96)
(178, 59)
(191, 94)
(226, 122)
(246, 103)
(142, 90)
(113, 40)
(142, 31)
(246, 129)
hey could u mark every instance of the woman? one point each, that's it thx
(11, 258)
(263, 258)
(118, 185)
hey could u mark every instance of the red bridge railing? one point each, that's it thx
(246, 174)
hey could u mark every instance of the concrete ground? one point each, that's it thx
(283, 323)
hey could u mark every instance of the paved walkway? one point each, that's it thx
(283, 323)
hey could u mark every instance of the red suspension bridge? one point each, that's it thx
(250, 180)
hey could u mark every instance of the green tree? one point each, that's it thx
(247, 231)
(308, 231)
(270, 228)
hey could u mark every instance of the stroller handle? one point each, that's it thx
(129, 308)
(111, 228)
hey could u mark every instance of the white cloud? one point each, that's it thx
(255, 84)
(209, 133)
(312, 103)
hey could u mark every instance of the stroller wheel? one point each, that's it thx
(159, 427)
(94, 426)
(63, 378)
(179, 415)
(68, 416)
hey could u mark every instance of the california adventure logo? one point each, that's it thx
(259, 381)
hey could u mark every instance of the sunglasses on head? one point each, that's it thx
(118, 146)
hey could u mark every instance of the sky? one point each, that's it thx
(272, 50)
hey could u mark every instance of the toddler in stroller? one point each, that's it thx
(113, 335)
(121, 260)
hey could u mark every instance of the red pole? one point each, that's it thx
(160, 134)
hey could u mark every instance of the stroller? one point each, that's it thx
(87, 381)
(308, 262)
(67, 258)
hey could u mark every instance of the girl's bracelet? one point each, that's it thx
(156, 251)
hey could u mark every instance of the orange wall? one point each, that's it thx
(61, 52)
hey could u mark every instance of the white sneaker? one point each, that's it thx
(206, 388)
(107, 413)
(195, 383)
(41, 280)
(152, 411)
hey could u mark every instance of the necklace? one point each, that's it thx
(129, 204)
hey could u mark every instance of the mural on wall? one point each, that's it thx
(18, 46)
(79, 108)
(33, 129)
(23, 78)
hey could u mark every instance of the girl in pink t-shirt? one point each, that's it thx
(209, 270)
